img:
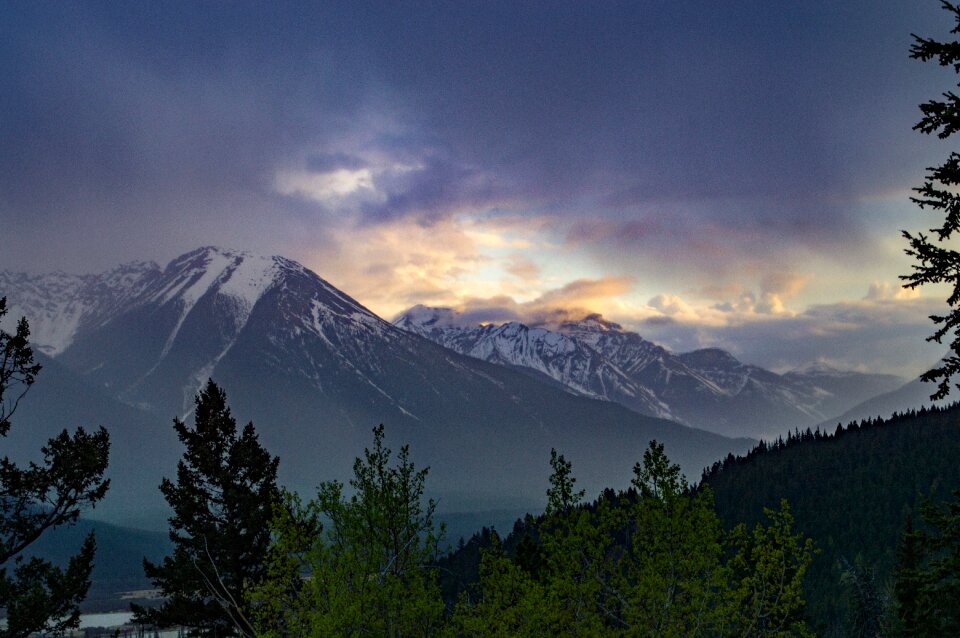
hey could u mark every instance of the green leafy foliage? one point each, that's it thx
(512, 602)
(561, 496)
(770, 565)
(222, 505)
(649, 562)
(367, 571)
(669, 579)
(38, 596)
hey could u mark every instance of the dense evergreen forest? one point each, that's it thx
(852, 491)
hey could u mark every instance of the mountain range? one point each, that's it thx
(315, 371)
(707, 388)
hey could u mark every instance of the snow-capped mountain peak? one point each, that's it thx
(708, 388)
(422, 319)
(594, 323)
(183, 320)
(240, 275)
(565, 358)
(819, 369)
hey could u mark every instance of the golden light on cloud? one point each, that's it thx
(457, 262)
(883, 290)
(522, 267)
(406, 263)
(493, 239)
(497, 268)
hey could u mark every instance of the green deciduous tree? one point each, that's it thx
(368, 570)
(768, 571)
(37, 595)
(574, 556)
(937, 261)
(509, 601)
(564, 596)
(671, 574)
(223, 502)
(653, 562)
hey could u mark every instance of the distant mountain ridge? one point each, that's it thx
(60, 305)
(315, 371)
(706, 388)
(910, 396)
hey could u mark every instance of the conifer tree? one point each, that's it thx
(222, 504)
(906, 588)
(39, 596)
(869, 604)
(937, 260)
(927, 584)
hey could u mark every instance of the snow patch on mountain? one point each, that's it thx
(58, 305)
(595, 357)
(576, 366)
(422, 319)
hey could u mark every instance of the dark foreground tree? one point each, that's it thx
(928, 575)
(37, 596)
(937, 261)
(222, 504)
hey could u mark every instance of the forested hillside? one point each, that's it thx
(851, 490)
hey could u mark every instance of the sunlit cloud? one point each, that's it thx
(522, 267)
(884, 290)
(882, 331)
(330, 188)
(571, 301)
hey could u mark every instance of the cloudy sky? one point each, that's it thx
(706, 173)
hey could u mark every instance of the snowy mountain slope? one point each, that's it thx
(60, 305)
(315, 370)
(569, 361)
(707, 388)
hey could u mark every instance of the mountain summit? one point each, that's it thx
(315, 370)
(707, 388)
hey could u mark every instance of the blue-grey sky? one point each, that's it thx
(708, 173)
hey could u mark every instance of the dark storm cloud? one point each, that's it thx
(129, 127)
(435, 189)
(156, 126)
